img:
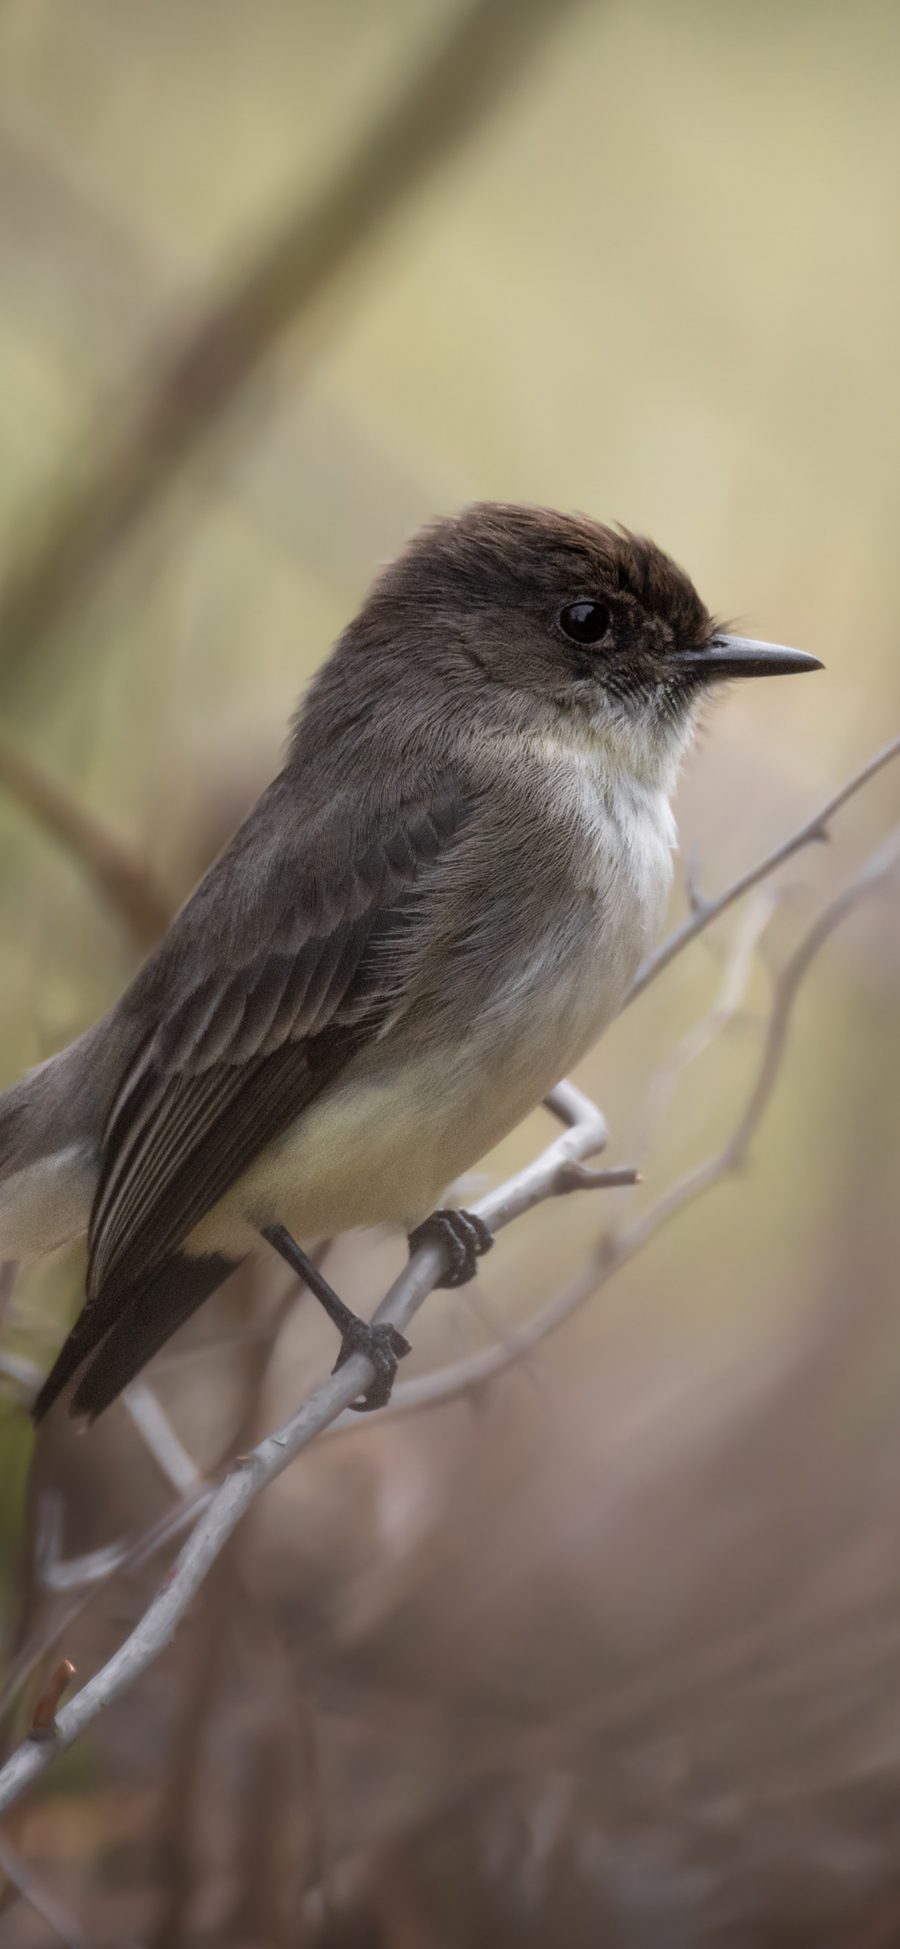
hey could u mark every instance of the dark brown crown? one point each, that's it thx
(495, 553)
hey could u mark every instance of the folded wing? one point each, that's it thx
(234, 1056)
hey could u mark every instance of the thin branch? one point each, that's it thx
(44, 1715)
(704, 913)
(702, 1035)
(44, 1905)
(85, 1575)
(160, 1440)
(229, 1591)
(271, 1456)
(23, 1376)
(123, 879)
(452, 89)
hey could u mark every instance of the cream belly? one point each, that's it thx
(375, 1152)
(380, 1147)
(380, 1150)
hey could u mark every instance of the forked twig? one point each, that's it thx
(704, 912)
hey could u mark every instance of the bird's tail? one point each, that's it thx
(49, 1132)
(120, 1330)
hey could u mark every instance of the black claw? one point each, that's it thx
(385, 1346)
(465, 1238)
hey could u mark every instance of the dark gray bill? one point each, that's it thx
(742, 656)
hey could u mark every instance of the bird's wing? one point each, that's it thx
(250, 1044)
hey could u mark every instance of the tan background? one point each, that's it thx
(659, 283)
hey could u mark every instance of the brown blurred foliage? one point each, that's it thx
(606, 1654)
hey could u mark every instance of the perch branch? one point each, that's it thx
(704, 912)
(584, 1135)
(84, 1575)
(727, 1009)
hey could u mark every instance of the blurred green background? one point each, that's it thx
(657, 281)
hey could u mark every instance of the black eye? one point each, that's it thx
(584, 622)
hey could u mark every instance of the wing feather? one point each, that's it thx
(247, 1047)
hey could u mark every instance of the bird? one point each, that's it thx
(427, 918)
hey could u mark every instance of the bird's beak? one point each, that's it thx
(742, 656)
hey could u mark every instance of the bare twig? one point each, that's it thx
(453, 87)
(222, 1636)
(704, 912)
(185, 1781)
(44, 1905)
(271, 1456)
(85, 1575)
(124, 880)
(160, 1440)
(723, 1014)
(43, 1718)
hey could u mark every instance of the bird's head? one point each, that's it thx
(591, 625)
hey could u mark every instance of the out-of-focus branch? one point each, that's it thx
(83, 1576)
(584, 1136)
(160, 1439)
(126, 883)
(87, 1574)
(84, 1573)
(454, 87)
(44, 1904)
(21, 1375)
(232, 1623)
(723, 1015)
(704, 912)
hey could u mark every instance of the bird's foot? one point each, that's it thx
(384, 1346)
(465, 1238)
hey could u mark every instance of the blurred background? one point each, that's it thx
(605, 1653)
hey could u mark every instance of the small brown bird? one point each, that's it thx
(426, 919)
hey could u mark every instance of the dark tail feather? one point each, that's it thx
(95, 1320)
(124, 1330)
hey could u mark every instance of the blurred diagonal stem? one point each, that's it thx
(704, 912)
(122, 878)
(456, 85)
(61, 1925)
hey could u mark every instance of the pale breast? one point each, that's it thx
(622, 841)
